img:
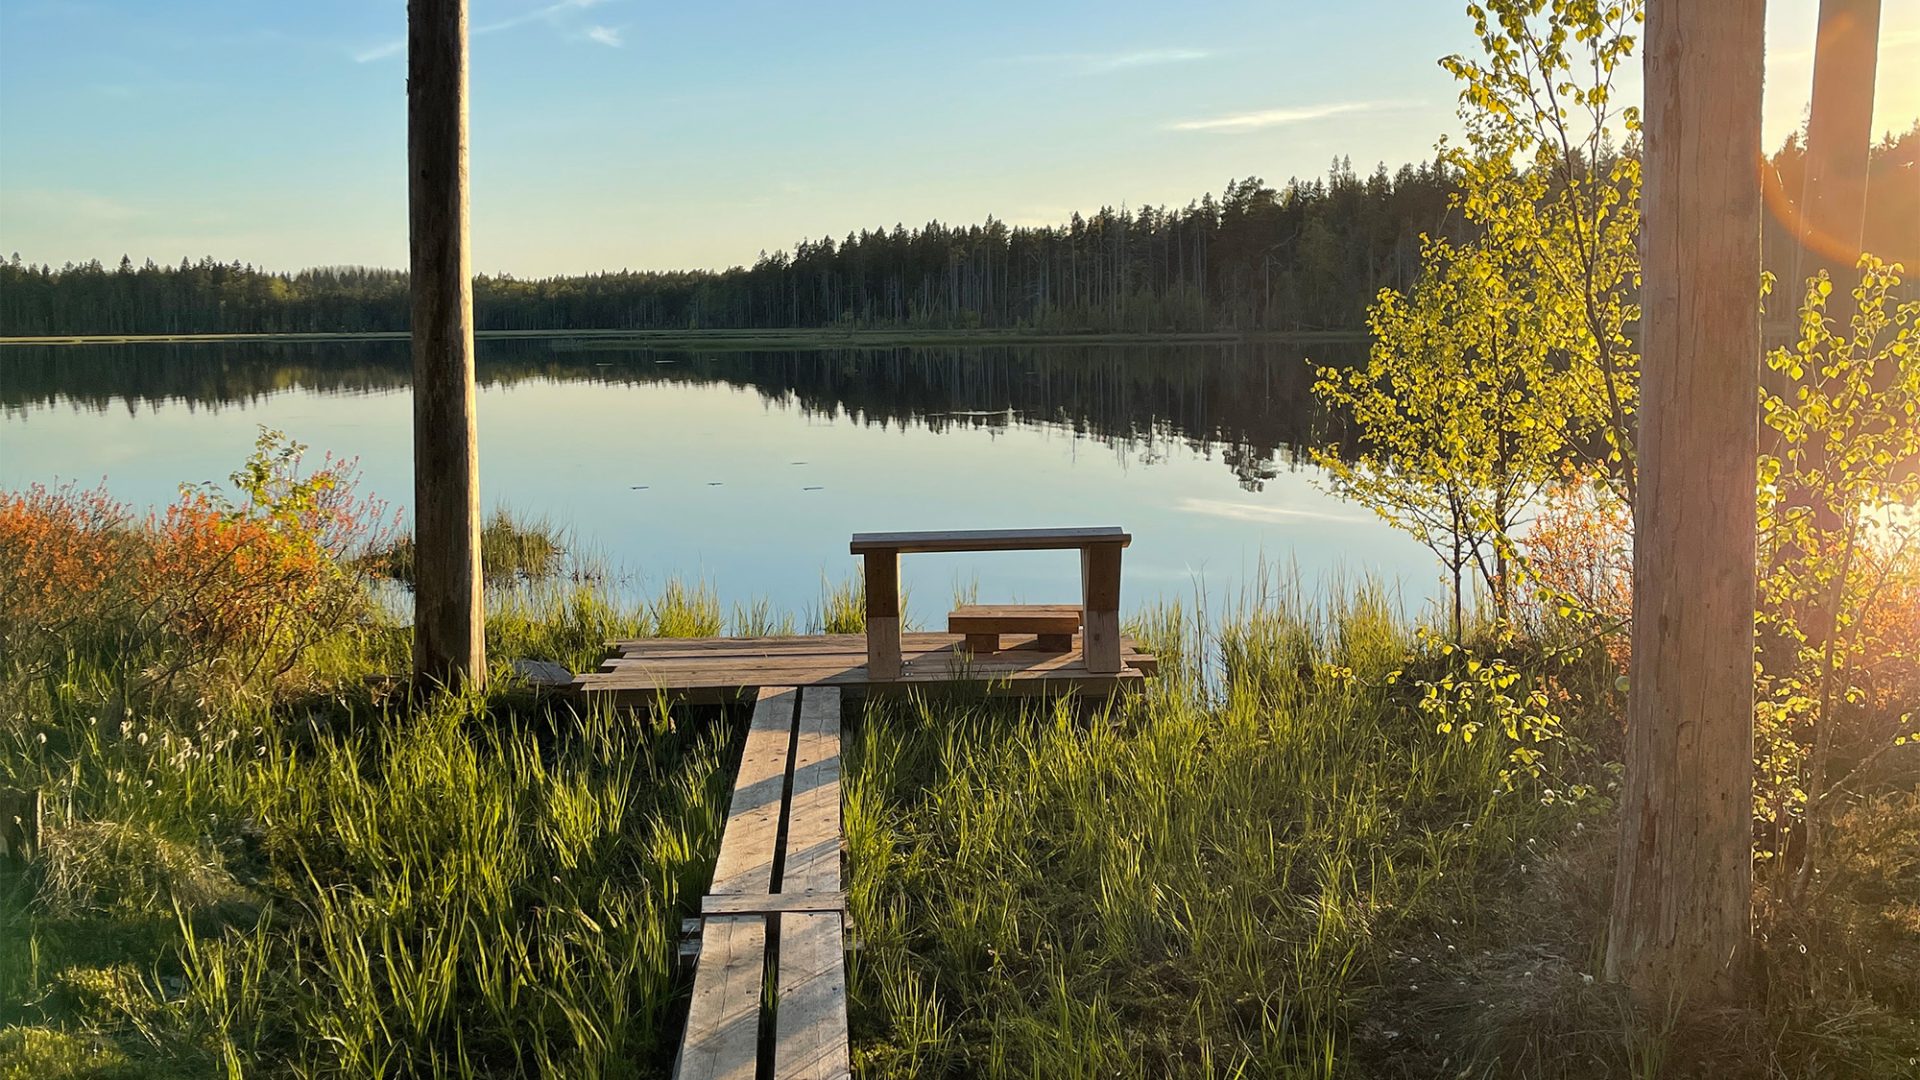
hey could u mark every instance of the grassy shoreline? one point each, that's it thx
(1272, 863)
(800, 338)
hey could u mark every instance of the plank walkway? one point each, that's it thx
(772, 925)
(728, 669)
(776, 902)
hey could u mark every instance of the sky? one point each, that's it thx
(610, 134)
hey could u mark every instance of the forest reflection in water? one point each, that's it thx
(677, 461)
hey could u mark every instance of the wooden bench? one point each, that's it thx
(1099, 549)
(1052, 624)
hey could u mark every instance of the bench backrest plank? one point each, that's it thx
(989, 539)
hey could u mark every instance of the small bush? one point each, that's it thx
(216, 592)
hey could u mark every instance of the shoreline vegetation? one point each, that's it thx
(1288, 856)
(728, 340)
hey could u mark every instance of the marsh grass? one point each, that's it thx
(1269, 864)
(512, 549)
(1198, 885)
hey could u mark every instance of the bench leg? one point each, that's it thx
(1053, 642)
(883, 614)
(983, 643)
(1100, 607)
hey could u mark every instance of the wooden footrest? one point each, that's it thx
(1054, 624)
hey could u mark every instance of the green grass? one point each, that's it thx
(1269, 865)
(1202, 885)
(512, 550)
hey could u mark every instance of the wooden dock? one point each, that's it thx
(773, 923)
(731, 669)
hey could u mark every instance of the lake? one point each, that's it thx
(749, 470)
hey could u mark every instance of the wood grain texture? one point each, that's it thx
(989, 539)
(1100, 588)
(449, 625)
(883, 613)
(722, 1040)
(810, 1029)
(1682, 889)
(982, 643)
(812, 861)
(751, 835)
(846, 671)
(772, 903)
(1014, 619)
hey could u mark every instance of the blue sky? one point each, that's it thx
(632, 133)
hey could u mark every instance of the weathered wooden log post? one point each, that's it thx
(1833, 206)
(449, 624)
(1683, 886)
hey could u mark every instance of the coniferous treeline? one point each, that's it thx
(1305, 256)
(1308, 255)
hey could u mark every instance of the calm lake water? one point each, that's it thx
(750, 470)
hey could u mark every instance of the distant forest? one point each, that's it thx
(1304, 256)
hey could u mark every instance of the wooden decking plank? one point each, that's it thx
(813, 817)
(722, 1040)
(774, 904)
(810, 1028)
(833, 645)
(747, 845)
(804, 671)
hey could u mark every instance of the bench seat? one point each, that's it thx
(1054, 625)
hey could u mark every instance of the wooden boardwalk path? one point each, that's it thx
(776, 904)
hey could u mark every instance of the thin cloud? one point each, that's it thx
(548, 13)
(552, 14)
(380, 51)
(1097, 65)
(1237, 123)
(1107, 62)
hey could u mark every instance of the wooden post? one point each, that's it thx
(1679, 929)
(449, 623)
(1100, 607)
(883, 614)
(1833, 205)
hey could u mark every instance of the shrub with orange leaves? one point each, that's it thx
(63, 553)
(225, 593)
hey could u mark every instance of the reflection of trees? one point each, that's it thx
(1250, 403)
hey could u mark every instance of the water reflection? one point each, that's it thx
(750, 469)
(1250, 405)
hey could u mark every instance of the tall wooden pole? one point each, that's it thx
(449, 625)
(1833, 206)
(1683, 885)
